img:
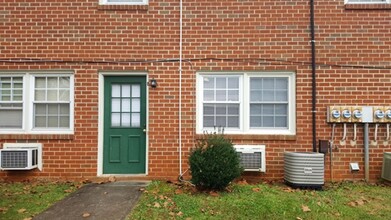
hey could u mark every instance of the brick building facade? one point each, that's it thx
(58, 58)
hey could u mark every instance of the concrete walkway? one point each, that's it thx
(112, 201)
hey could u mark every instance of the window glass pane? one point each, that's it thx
(64, 109)
(255, 83)
(209, 95)
(126, 105)
(255, 121)
(64, 122)
(209, 82)
(52, 82)
(208, 121)
(268, 95)
(233, 109)
(40, 82)
(281, 121)
(40, 122)
(221, 95)
(268, 121)
(40, 95)
(233, 121)
(136, 105)
(125, 120)
(64, 82)
(64, 95)
(135, 119)
(221, 83)
(53, 109)
(115, 90)
(233, 82)
(136, 91)
(115, 119)
(10, 118)
(221, 109)
(221, 121)
(51, 95)
(281, 95)
(233, 95)
(267, 109)
(125, 91)
(52, 121)
(282, 83)
(268, 83)
(256, 95)
(209, 110)
(281, 109)
(115, 105)
(255, 109)
(40, 109)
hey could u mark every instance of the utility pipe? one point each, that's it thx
(180, 88)
(313, 59)
(366, 151)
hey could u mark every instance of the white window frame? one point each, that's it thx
(244, 98)
(130, 2)
(367, 2)
(28, 104)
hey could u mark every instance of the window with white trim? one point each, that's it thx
(246, 103)
(36, 103)
(367, 1)
(123, 2)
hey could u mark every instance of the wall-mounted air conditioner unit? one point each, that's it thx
(21, 156)
(252, 157)
(386, 171)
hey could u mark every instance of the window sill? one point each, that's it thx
(37, 136)
(368, 6)
(256, 137)
(123, 7)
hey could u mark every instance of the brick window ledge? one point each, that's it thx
(255, 137)
(123, 7)
(36, 136)
(368, 6)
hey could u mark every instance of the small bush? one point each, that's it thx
(214, 163)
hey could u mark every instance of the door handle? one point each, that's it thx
(145, 130)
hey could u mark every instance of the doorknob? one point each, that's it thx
(145, 130)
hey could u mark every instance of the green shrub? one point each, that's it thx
(214, 163)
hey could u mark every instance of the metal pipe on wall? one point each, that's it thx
(313, 59)
(366, 151)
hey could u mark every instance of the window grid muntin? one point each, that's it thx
(133, 113)
(227, 102)
(11, 102)
(265, 102)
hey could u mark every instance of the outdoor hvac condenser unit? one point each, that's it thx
(304, 169)
(21, 156)
(252, 157)
(386, 170)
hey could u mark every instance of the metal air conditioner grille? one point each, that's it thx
(14, 159)
(251, 161)
(386, 171)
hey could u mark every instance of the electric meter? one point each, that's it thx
(357, 114)
(336, 114)
(379, 114)
(346, 113)
(388, 114)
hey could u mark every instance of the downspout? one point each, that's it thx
(180, 89)
(366, 151)
(313, 64)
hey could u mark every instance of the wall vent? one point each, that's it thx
(21, 156)
(386, 170)
(252, 157)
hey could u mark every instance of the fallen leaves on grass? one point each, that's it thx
(305, 208)
(256, 189)
(157, 205)
(86, 215)
(358, 202)
(21, 210)
(29, 218)
(3, 209)
(288, 189)
(213, 193)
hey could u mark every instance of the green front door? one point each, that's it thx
(124, 147)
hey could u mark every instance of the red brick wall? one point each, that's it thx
(226, 35)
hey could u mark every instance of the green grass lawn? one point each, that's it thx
(265, 201)
(26, 199)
